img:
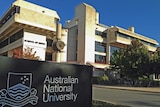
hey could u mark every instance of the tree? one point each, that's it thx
(133, 61)
(118, 61)
(155, 62)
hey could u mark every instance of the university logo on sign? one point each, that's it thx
(19, 91)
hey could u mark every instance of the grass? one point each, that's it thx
(104, 104)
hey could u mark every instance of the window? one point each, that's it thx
(15, 9)
(132, 38)
(124, 36)
(147, 43)
(104, 35)
(16, 36)
(48, 57)
(112, 49)
(13, 38)
(4, 43)
(99, 33)
(49, 42)
(100, 47)
(100, 59)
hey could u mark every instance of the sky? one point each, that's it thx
(143, 15)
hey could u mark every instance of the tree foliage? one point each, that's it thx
(135, 61)
(155, 62)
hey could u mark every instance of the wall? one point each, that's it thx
(34, 46)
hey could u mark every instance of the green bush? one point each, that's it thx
(100, 80)
(143, 78)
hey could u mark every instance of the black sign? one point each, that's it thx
(27, 83)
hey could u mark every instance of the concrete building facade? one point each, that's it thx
(27, 32)
(90, 38)
(90, 42)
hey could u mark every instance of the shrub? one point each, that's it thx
(100, 80)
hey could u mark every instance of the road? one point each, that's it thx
(126, 97)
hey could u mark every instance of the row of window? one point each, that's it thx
(124, 36)
(147, 43)
(100, 47)
(12, 39)
(15, 9)
(132, 38)
(98, 33)
(100, 59)
(17, 36)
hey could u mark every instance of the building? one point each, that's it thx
(90, 42)
(32, 33)
(35, 33)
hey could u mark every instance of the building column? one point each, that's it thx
(10, 53)
(58, 37)
(108, 53)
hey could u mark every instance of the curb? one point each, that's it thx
(141, 89)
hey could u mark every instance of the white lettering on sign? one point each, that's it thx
(59, 89)
(61, 80)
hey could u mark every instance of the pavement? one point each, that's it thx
(142, 89)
